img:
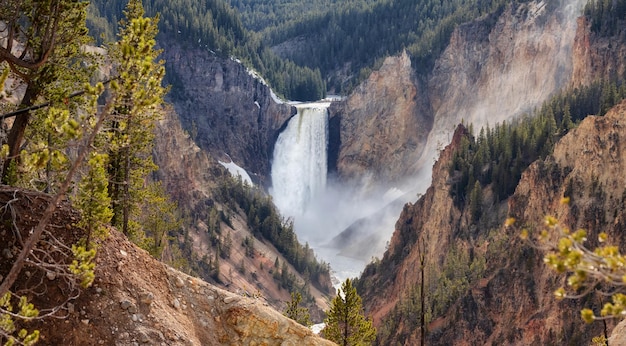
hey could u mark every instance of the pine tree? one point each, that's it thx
(68, 126)
(135, 114)
(345, 324)
(566, 123)
(475, 202)
(50, 62)
(226, 247)
(297, 313)
(93, 199)
(158, 217)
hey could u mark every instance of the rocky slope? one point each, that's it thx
(510, 300)
(597, 56)
(383, 125)
(390, 129)
(160, 305)
(136, 299)
(191, 176)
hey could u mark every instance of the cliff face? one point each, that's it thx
(224, 108)
(391, 127)
(595, 56)
(383, 124)
(497, 68)
(510, 300)
(493, 69)
(134, 299)
(191, 177)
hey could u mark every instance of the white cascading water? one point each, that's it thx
(299, 165)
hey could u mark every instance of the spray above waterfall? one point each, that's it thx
(322, 208)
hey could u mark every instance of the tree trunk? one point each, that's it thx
(37, 231)
(422, 295)
(345, 326)
(16, 134)
(126, 186)
(126, 206)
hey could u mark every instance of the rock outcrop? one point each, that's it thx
(497, 68)
(494, 69)
(134, 298)
(383, 125)
(595, 56)
(138, 300)
(191, 176)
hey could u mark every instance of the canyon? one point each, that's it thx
(388, 132)
(396, 135)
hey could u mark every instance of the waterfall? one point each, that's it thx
(299, 165)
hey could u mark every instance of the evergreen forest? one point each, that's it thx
(304, 49)
(335, 36)
(213, 25)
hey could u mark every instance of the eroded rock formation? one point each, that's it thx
(136, 299)
(512, 301)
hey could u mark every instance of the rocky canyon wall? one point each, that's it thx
(494, 69)
(510, 301)
(492, 72)
(225, 108)
(597, 56)
(383, 125)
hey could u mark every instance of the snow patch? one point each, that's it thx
(258, 77)
(317, 328)
(236, 171)
(276, 98)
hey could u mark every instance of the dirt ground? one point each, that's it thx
(134, 299)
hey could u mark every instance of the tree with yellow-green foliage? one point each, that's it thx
(296, 312)
(42, 50)
(157, 216)
(586, 268)
(135, 113)
(346, 323)
(58, 127)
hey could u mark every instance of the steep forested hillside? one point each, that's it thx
(353, 35)
(339, 42)
(521, 169)
(263, 15)
(497, 156)
(605, 16)
(468, 255)
(232, 235)
(213, 25)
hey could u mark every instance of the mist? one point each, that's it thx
(527, 58)
(323, 207)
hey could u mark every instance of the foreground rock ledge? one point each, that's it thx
(138, 300)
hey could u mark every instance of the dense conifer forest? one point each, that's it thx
(213, 25)
(266, 223)
(330, 35)
(323, 44)
(492, 160)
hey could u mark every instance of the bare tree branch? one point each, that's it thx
(47, 215)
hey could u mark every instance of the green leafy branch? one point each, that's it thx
(586, 269)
